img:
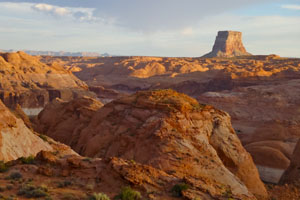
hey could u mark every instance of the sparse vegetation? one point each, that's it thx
(43, 137)
(227, 193)
(87, 159)
(15, 176)
(69, 196)
(3, 167)
(179, 188)
(98, 196)
(31, 191)
(65, 183)
(128, 193)
(27, 160)
(9, 187)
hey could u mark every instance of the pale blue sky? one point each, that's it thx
(152, 28)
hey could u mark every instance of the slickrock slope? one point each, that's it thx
(173, 133)
(292, 175)
(228, 44)
(30, 83)
(16, 140)
(64, 121)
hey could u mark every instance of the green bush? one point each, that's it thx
(31, 191)
(3, 167)
(15, 176)
(43, 137)
(128, 193)
(27, 160)
(179, 188)
(9, 187)
(98, 196)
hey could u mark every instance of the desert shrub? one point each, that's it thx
(31, 191)
(9, 187)
(179, 188)
(27, 160)
(87, 159)
(43, 137)
(3, 167)
(227, 193)
(69, 196)
(64, 184)
(127, 193)
(98, 196)
(15, 176)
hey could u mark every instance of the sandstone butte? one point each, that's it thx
(169, 133)
(228, 44)
(32, 84)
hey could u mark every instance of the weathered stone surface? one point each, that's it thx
(63, 121)
(16, 140)
(32, 84)
(171, 132)
(228, 44)
(292, 174)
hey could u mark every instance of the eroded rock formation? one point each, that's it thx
(292, 174)
(32, 84)
(228, 44)
(175, 134)
(16, 140)
(64, 121)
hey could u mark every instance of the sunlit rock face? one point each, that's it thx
(16, 140)
(228, 44)
(163, 129)
(32, 84)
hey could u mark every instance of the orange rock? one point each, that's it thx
(16, 140)
(228, 44)
(173, 133)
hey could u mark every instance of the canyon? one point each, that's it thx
(221, 126)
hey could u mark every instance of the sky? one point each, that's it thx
(179, 28)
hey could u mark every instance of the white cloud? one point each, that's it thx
(151, 15)
(50, 9)
(81, 14)
(187, 31)
(291, 7)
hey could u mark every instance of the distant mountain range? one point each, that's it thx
(60, 53)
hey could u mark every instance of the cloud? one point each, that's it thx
(151, 15)
(187, 31)
(81, 14)
(50, 9)
(291, 7)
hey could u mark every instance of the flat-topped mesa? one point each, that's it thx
(228, 44)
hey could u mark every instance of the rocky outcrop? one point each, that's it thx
(292, 175)
(16, 140)
(173, 133)
(32, 84)
(64, 121)
(266, 118)
(228, 44)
